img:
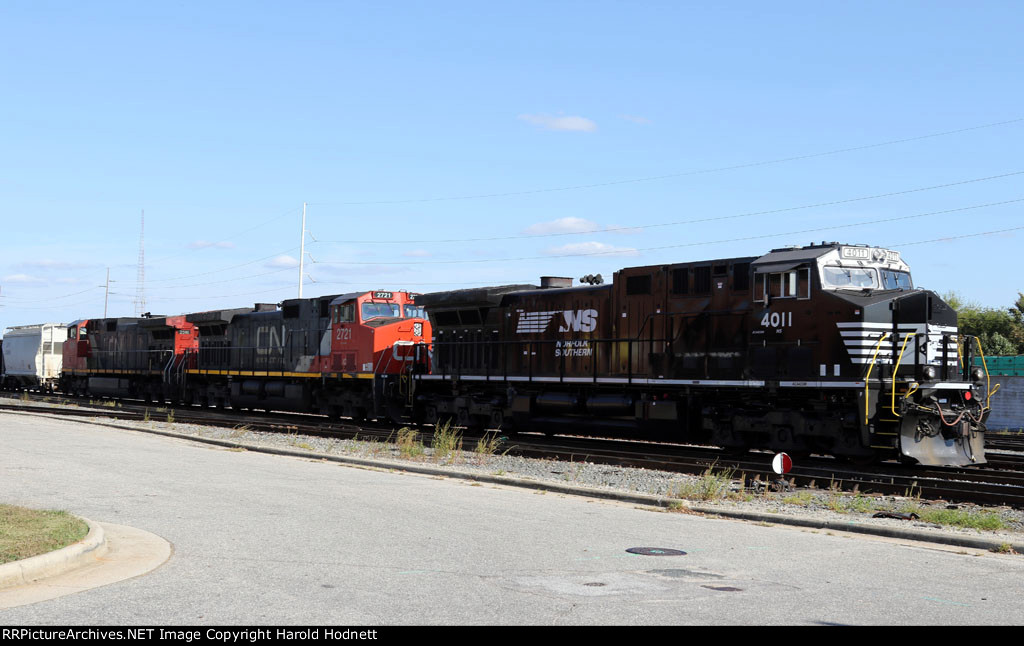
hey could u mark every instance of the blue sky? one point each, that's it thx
(405, 125)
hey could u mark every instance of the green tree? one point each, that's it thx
(1001, 331)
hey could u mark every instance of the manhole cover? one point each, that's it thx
(655, 551)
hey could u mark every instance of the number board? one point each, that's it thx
(382, 295)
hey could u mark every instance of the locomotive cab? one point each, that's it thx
(76, 351)
(376, 332)
(847, 318)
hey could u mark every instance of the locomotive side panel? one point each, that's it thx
(559, 332)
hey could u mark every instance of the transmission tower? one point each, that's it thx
(140, 277)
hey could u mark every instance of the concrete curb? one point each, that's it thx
(982, 543)
(57, 562)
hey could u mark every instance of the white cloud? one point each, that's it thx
(58, 265)
(563, 225)
(281, 262)
(572, 124)
(203, 244)
(643, 121)
(23, 279)
(574, 225)
(587, 248)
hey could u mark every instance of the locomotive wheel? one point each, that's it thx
(497, 419)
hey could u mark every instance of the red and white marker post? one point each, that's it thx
(782, 463)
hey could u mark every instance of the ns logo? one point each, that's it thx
(579, 321)
(573, 321)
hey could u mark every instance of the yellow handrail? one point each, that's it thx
(867, 379)
(988, 384)
(896, 371)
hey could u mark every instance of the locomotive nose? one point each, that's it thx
(923, 306)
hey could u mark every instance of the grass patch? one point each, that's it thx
(487, 445)
(804, 499)
(711, 485)
(27, 532)
(239, 431)
(409, 443)
(447, 442)
(958, 518)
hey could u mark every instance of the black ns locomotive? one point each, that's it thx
(826, 349)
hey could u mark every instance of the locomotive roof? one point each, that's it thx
(217, 316)
(343, 298)
(557, 290)
(473, 296)
(793, 256)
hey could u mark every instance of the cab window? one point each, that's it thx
(413, 312)
(896, 280)
(381, 310)
(784, 284)
(345, 313)
(849, 277)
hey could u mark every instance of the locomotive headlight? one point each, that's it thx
(930, 372)
(978, 374)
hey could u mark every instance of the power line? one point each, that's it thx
(233, 236)
(718, 169)
(679, 246)
(222, 269)
(682, 222)
(959, 237)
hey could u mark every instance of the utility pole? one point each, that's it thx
(302, 248)
(106, 293)
(140, 277)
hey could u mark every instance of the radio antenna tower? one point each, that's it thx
(140, 277)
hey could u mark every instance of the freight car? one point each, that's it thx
(827, 348)
(32, 356)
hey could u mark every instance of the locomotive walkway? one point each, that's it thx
(264, 539)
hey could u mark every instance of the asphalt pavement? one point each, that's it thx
(267, 539)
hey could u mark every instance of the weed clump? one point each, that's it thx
(409, 443)
(710, 485)
(447, 442)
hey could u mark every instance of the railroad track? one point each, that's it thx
(1000, 483)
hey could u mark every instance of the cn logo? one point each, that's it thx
(579, 321)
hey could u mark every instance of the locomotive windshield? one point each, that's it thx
(896, 280)
(413, 312)
(864, 278)
(381, 310)
(849, 278)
